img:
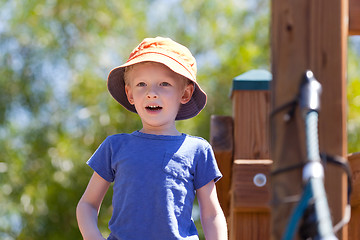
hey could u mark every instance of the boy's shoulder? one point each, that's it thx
(118, 136)
(198, 140)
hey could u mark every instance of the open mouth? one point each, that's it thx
(153, 108)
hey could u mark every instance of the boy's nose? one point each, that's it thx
(152, 93)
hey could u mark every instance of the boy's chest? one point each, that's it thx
(138, 162)
(150, 164)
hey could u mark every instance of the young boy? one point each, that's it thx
(156, 171)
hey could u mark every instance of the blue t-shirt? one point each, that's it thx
(155, 180)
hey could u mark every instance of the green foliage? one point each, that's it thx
(54, 105)
(353, 95)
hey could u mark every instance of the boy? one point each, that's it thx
(156, 171)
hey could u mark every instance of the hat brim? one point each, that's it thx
(116, 84)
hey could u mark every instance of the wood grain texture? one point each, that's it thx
(247, 197)
(221, 140)
(308, 34)
(249, 211)
(251, 129)
(354, 161)
(251, 226)
(354, 224)
(354, 17)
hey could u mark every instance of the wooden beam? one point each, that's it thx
(308, 34)
(354, 161)
(248, 196)
(249, 208)
(354, 230)
(250, 211)
(251, 136)
(221, 139)
(354, 17)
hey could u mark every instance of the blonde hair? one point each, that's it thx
(126, 74)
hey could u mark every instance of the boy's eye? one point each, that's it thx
(141, 84)
(165, 84)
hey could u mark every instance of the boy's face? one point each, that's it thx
(157, 93)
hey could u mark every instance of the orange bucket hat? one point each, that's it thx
(173, 55)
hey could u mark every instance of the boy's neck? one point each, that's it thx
(161, 131)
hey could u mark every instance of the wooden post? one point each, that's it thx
(250, 207)
(221, 139)
(249, 210)
(308, 34)
(354, 230)
(354, 17)
(251, 107)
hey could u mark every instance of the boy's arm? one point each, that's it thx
(89, 205)
(212, 217)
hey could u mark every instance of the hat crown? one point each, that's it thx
(169, 48)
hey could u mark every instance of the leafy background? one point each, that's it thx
(55, 109)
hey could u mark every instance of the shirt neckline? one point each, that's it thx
(158, 137)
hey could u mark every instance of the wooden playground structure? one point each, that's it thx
(305, 34)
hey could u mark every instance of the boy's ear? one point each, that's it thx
(188, 92)
(129, 94)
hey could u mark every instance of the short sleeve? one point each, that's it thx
(206, 168)
(100, 161)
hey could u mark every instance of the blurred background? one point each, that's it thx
(55, 109)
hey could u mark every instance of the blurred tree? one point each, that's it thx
(353, 95)
(54, 105)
